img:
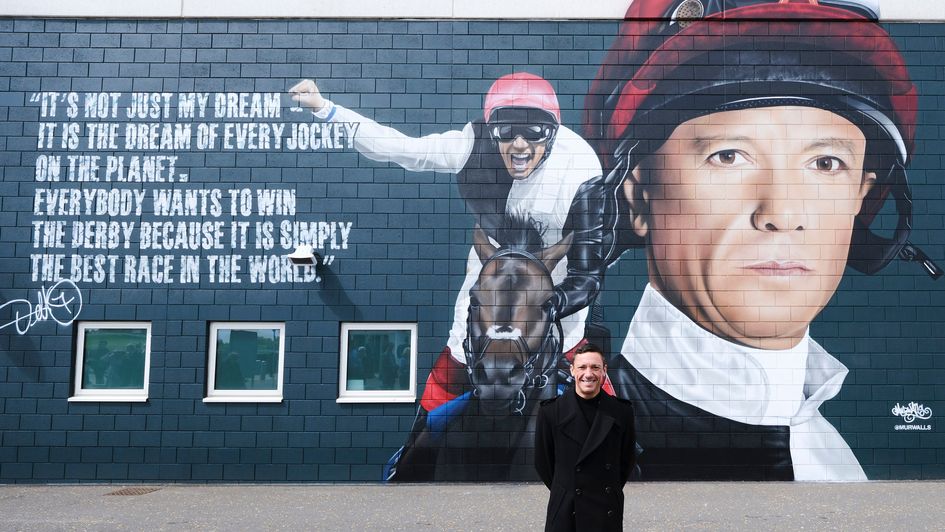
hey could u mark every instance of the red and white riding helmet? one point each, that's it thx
(522, 90)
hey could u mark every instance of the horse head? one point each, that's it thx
(510, 328)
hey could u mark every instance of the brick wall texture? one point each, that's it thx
(405, 259)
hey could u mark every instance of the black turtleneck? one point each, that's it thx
(589, 407)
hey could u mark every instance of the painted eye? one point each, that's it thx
(828, 164)
(727, 158)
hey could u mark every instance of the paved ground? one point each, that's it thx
(650, 506)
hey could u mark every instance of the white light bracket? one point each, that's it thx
(304, 255)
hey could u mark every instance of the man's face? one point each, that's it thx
(520, 156)
(748, 217)
(588, 370)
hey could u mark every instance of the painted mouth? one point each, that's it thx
(779, 268)
(520, 161)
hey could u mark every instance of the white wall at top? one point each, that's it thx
(891, 10)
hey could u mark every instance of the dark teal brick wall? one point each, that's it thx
(406, 256)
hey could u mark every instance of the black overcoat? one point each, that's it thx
(584, 467)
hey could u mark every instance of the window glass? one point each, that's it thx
(245, 362)
(112, 361)
(114, 358)
(378, 362)
(247, 359)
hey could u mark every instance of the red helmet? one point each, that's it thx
(809, 48)
(675, 60)
(522, 89)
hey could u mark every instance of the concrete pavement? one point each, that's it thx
(650, 506)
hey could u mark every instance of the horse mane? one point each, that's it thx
(517, 231)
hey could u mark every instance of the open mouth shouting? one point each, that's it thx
(521, 157)
(520, 161)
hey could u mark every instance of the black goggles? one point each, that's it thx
(534, 133)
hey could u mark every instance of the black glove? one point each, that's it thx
(594, 219)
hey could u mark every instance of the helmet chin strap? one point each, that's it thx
(870, 252)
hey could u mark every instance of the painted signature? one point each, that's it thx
(62, 303)
(912, 411)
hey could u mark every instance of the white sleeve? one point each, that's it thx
(445, 152)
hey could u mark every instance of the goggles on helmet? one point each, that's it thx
(532, 124)
(535, 133)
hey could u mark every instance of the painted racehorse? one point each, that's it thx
(512, 344)
(514, 360)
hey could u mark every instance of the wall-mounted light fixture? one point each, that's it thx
(304, 255)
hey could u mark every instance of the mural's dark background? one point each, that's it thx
(406, 256)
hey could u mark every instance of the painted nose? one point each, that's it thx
(782, 203)
(520, 142)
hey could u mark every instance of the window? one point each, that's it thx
(378, 363)
(246, 362)
(112, 361)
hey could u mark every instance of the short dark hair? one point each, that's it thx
(590, 348)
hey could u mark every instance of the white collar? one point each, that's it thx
(756, 386)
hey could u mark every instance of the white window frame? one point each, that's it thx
(124, 395)
(376, 396)
(243, 396)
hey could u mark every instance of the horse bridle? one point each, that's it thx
(538, 366)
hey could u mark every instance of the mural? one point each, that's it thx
(720, 204)
(752, 188)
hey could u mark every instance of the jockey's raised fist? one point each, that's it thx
(306, 93)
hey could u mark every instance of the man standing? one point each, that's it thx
(584, 449)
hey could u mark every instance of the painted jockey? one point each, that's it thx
(519, 160)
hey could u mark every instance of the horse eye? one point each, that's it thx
(473, 302)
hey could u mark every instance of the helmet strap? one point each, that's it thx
(871, 252)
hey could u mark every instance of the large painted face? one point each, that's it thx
(588, 370)
(521, 157)
(748, 217)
